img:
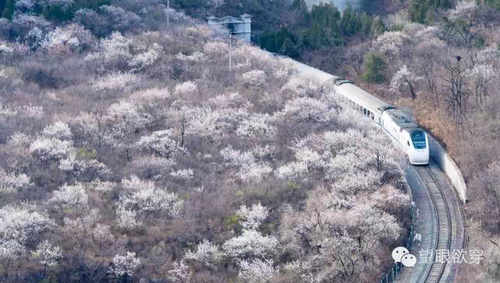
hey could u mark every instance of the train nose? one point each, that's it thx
(419, 157)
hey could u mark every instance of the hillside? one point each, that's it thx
(130, 151)
(437, 58)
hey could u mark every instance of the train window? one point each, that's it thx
(418, 139)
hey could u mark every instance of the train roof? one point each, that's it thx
(311, 72)
(401, 119)
(345, 87)
(362, 97)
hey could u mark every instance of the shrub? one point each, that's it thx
(375, 67)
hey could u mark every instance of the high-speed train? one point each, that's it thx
(408, 134)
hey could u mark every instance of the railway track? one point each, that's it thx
(444, 231)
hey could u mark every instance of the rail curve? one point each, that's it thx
(444, 233)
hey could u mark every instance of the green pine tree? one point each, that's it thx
(378, 27)
(375, 67)
(8, 10)
(324, 30)
(493, 3)
(352, 23)
(2, 6)
(301, 14)
(422, 11)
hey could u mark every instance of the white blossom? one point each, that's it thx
(429, 33)
(162, 143)
(254, 78)
(262, 152)
(251, 244)
(300, 86)
(481, 72)
(116, 48)
(127, 218)
(5, 48)
(58, 130)
(69, 38)
(31, 111)
(258, 271)
(308, 109)
(206, 122)
(23, 223)
(359, 181)
(183, 174)
(180, 272)
(147, 58)
(34, 38)
(196, 57)
(20, 139)
(125, 264)
(292, 170)
(233, 100)
(403, 78)
(46, 254)
(78, 165)
(216, 48)
(252, 217)
(51, 148)
(9, 182)
(115, 81)
(254, 172)
(464, 9)
(487, 55)
(70, 196)
(310, 157)
(151, 96)
(391, 42)
(11, 249)
(206, 252)
(102, 233)
(153, 165)
(125, 117)
(80, 227)
(255, 126)
(145, 197)
(235, 157)
(19, 143)
(185, 88)
(102, 187)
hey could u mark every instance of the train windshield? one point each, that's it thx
(418, 138)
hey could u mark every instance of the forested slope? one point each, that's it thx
(129, 150)
(437, 58)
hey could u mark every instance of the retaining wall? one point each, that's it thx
(449, 166)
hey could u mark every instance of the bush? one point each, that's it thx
(375, 67)
(422, 11)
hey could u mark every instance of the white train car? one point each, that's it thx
(408, 134)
